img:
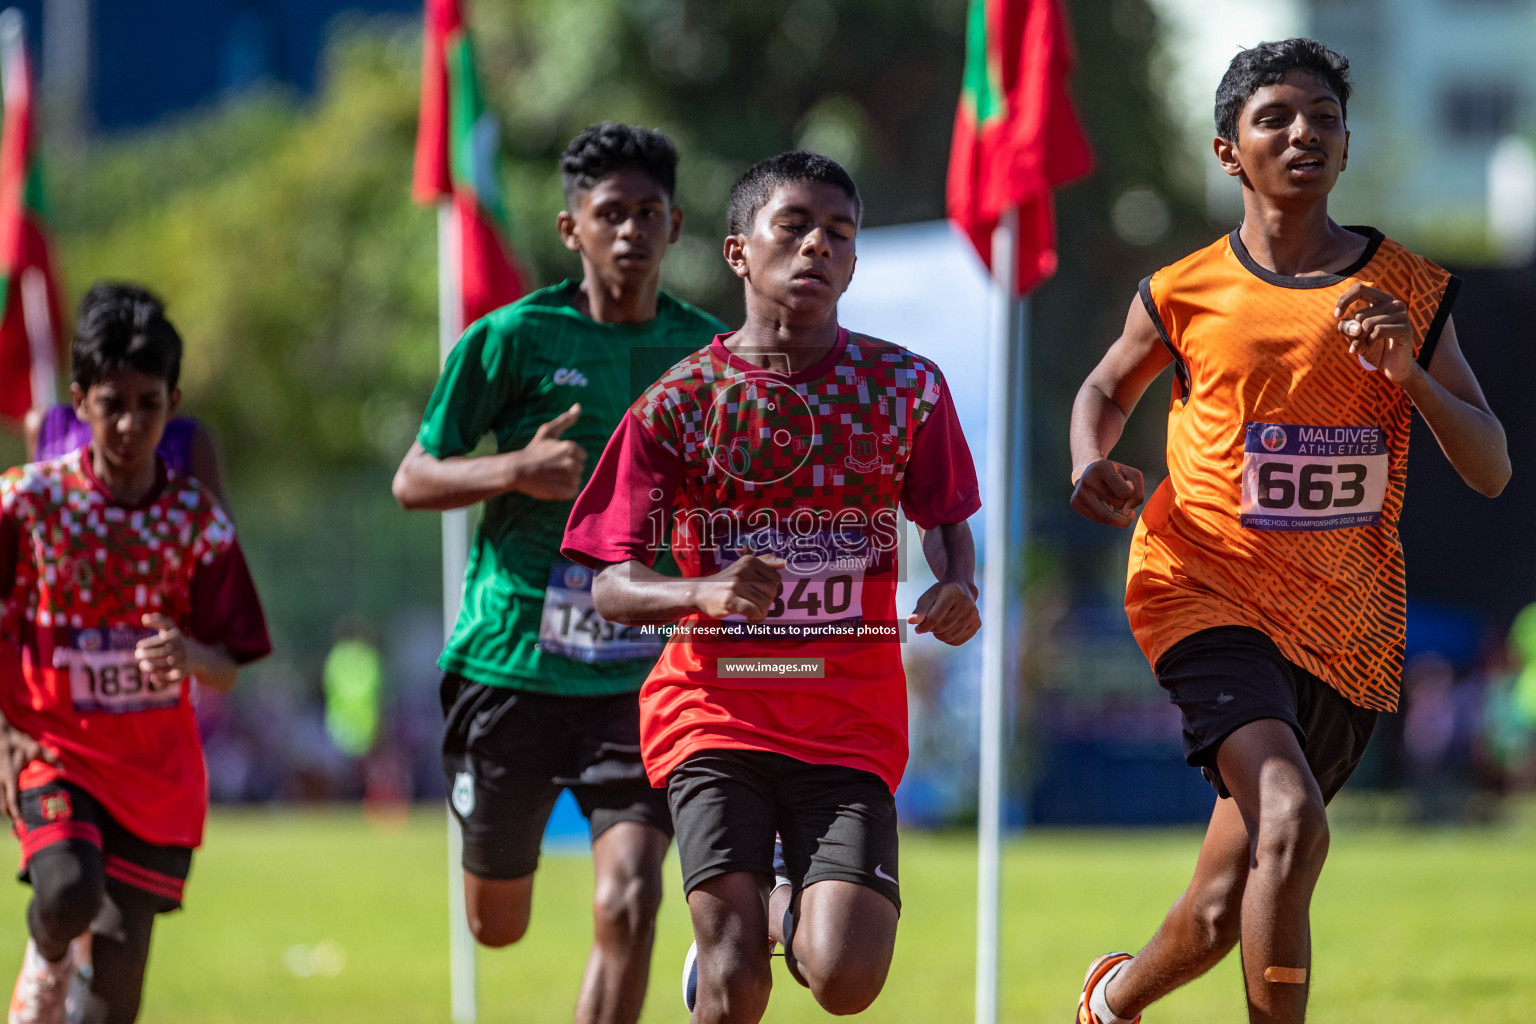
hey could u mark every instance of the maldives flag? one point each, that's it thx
(1016, 135)
(458, 154)
(31, 339)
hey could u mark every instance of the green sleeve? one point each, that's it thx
(482, 376)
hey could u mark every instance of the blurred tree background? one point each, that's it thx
(281, 233)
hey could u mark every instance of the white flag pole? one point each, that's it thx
(13, 28)
(1004, 360)
(40, 337)
(461, 943)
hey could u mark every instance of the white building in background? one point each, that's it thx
(1442, 121)
(1198, 38)
(1440, 84)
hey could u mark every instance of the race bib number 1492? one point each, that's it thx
(572, 628)
(1313, 478)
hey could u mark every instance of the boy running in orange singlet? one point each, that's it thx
(1266, 580)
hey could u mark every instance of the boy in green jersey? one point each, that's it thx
(539, 692)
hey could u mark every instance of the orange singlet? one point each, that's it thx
(1286, 464)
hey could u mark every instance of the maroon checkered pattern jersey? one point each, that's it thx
(80, 571)
(724, 458)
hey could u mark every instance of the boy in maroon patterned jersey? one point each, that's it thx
(122, 580)
(781, 454)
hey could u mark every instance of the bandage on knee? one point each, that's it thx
(1286, 975)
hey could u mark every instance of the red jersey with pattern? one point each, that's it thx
(812, 466)
(82, 571)
(1287, 461)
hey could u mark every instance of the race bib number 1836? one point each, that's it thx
(104, 674)
(1313, 478)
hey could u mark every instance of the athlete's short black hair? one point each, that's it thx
(610, 147)
(122, 326)
(1268, 64)
(754, 188)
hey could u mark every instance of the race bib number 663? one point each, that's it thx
(1312, 478)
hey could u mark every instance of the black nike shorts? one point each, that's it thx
(835, 822)
(1225, 677)
(508, 753)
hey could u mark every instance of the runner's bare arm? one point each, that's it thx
(951, 553)
(31, 429)
(1103, 490)
(213, 667)
(170, 656)
(1452, 403)
(548, 468)
(948, 608)
(17, 749)
(633, 594)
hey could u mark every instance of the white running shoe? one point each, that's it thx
(691, 976)
(41, 988)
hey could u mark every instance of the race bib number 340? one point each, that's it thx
(823, 576)
(1312, 478)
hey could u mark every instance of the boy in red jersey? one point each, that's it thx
(123, 579)
(781, 454)
(1266, 577)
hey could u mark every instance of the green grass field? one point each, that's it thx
(324, 917)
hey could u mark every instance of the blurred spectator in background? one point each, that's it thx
(1509, 735)
(353, 683)
(342, 730)
(1441, 725)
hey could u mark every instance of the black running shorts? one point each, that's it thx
(508, 753)
(835, 822)
(59, 812)
(1225, 677)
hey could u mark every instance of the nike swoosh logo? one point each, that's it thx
(880, 873)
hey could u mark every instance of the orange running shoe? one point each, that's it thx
(1096, 971)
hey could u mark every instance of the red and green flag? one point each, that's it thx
(458, 155)
(1016, 134)
(31, 335)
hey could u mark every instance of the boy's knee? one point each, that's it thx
(849, 990)
(1217, 913)
(842, 980)
(497, 911)
(1294, 835)
(66, 895)
(624, 909)
(497, 926)
(497, 933)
